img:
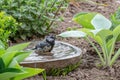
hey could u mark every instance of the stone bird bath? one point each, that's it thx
(64, 54)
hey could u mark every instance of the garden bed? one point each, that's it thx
(89, 68)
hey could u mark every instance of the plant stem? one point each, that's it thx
(115, 57)
(105, 53)
(101, 58)
(111, 51)
(55, 16)
(112, 60)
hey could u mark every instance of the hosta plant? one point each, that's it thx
(9, 63)
(97, 27)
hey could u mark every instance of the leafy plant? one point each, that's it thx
(8, 27)
(115, 18)
(99, 29)
(36, 16)
(9, 63)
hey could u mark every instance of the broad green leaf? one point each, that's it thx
(8, 57)
(9, 73)
(72, 34)
(10, 70)
(21, 56)
(100, 22)
(104, 34)
(29, 72)
(95, 31)
(2, 65)
(84, 19)
(79, 14)
(92, 35)
(14, 64)
(2, 51)
(17, 47)
(116, 31)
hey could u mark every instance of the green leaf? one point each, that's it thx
(116, 31)
(72, 34)
(100, 22)
(114, 21)
(2, 51)
(2, 46)
(95, 31)
(2, 65)
(9, 73)
(84, 19)
(23, 26)
(118, 38)
(7, 58)
(118, 14)
(23, 36)
(10, 70)
(91, 34)
(104, 34)
(79, 14)
(29, 72)
(14, 64)
(21, 56)
(17, 47)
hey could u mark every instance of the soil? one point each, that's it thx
(88, 70)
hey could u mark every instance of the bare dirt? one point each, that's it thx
(88, 70)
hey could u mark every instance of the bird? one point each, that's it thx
(45, 47)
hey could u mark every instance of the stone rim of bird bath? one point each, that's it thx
(56, 62)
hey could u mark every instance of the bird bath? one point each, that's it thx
(64, 54)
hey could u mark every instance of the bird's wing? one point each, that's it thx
(42, 44)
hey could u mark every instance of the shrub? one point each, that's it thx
(8, 27)
(9, 63)
(98, 27)
(36, 16)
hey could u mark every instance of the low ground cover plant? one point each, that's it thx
(99, 28)
(9, 63)
(36, 16)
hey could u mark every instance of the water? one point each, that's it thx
(60, 51)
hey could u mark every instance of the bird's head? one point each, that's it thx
(50, 39)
